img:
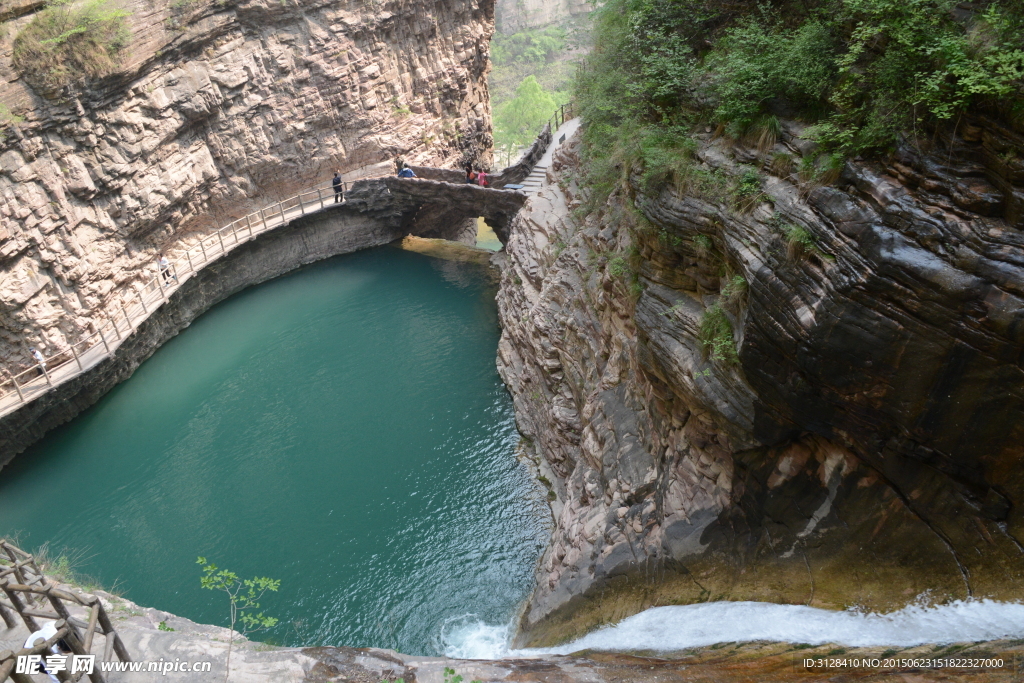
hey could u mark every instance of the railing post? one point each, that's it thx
(19, 606)
(302, 207)
(46, 375)
(103, 338)
(126, 317)
(280, 208)
(220, 237)
(114, 325)
(248, 224)
(142, 299)
(18, 388)
(191, 268)
(263, 216)
(77, 359)
(203, 247)
(320, 196)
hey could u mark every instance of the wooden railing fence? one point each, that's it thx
(28, 594)
(124, 313)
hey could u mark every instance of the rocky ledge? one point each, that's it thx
(809, 394)
(155, 636)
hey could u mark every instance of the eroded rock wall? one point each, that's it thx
(220, 108)
(516, 15)
(862, 446)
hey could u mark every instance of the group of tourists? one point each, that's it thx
(476, 176)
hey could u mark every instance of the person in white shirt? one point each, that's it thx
(165, 269)
(44, 634)
(39, 359)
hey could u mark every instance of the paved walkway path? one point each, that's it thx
(538, 177)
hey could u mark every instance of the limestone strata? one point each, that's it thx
(220, 108)
(863, 448)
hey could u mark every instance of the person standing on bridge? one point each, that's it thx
(406, 172)
(165, 270)
(339, 194)
(481, 178)
(470, 175)
(39, 359)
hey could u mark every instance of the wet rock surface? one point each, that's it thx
(857, 441)
(152, 635)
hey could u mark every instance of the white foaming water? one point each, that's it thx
(467, 637)
(680, 627)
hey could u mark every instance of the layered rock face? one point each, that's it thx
(516, 15)
(812, 394)
(221, 108)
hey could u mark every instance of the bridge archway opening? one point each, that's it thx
(486, 237)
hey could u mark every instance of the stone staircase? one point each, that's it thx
(535, 180)
(538, 176)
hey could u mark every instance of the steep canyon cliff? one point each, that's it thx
(219, 108)
(811, 395)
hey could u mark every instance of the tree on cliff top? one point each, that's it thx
(71, 42)
(243, 599)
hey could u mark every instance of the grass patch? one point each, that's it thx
(715, 334)
(748, 190)
(781, 164)
(702, 246)
(799, 242)
(734, 288)
(71, 43)
(7, 120)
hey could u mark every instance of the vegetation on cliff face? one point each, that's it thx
(864, 72)
(70, 42)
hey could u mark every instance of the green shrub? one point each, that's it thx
(709, 185)
(734, 288)
(715, 334)
(748, 190)
(7, 119)
(798, 240)
(864, 71)
(69, 42)
(451, 677)
(617, 267)
(781, 164)
(702, 245)
(666, 153)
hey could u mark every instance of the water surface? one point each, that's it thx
(342, 429)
